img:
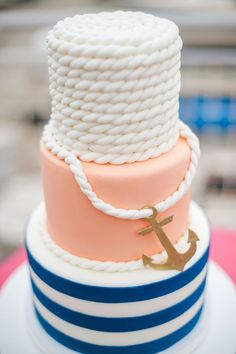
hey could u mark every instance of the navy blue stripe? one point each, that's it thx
(118, 294)
(119, 324)
(146, 348)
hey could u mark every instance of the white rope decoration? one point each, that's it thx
(109, 266)
(114, 83)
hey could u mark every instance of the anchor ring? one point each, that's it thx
(154, 212)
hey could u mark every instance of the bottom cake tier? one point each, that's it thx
(91, 311)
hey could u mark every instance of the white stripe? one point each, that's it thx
(118, 338)
(128, 309)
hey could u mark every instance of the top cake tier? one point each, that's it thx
(114, 83)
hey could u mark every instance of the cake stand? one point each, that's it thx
(21, 333)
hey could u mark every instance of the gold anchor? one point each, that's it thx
(175, 259)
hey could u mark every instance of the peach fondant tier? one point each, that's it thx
(75, 225)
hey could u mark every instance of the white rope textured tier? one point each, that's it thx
(114, 83)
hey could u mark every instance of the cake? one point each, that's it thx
(117, 251)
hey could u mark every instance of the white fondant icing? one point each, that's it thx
(118, 338)
(43, 254)
(128, 309)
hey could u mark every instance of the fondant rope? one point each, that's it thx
(121, 147)
(77, 169)
(124, 82)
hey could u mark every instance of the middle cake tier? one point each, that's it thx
(80, 229)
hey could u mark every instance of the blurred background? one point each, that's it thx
(207, 104)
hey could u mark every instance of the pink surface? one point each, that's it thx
(11, 263)
(76, 226)
(223, 249)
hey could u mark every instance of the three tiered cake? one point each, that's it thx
(118, 252)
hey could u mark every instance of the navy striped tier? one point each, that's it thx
(171, 308)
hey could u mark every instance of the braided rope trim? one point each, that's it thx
(132, 214)
(118, 154)
(108, 81)
(126, 81)
(108, 266)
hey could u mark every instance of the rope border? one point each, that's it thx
(108, 266)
